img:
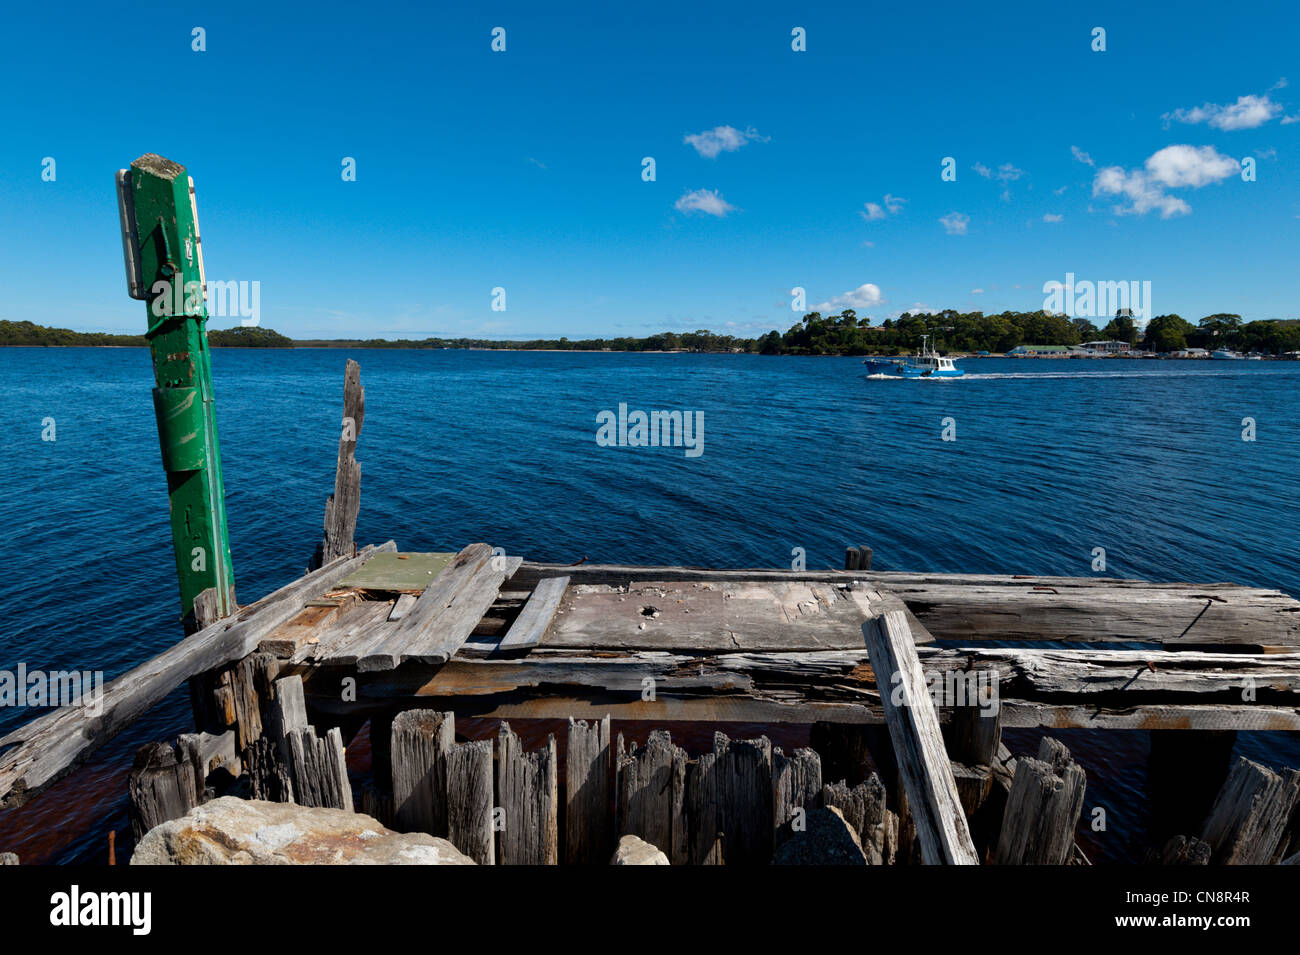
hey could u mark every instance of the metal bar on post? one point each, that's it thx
(164, 267)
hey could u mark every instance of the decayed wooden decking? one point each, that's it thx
(488, 635)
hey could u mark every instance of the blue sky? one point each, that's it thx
(523, 169)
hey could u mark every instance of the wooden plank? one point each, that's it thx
(402, 607)
(527, 797)
(1119, 677)
(38, 753)
(650, 791)
(918, 744)
(293, 635)
(1251, 813)
(1006, 607)
(341, 507)
(531, 624)
(1042, 808)
(703, 616)
(446, 631)
(588, 824)
(407, 572)
(337, 644)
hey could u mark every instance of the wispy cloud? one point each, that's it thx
(1174, 167)
(722, 139)
(864, 296)
(1004, 173)
(1053, 217)
(1248, 112)
(708, 201)
(955, 223)
(1082, 156)
(872, 211)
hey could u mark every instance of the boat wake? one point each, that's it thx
(1098, 374)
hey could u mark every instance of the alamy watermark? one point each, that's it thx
(1088, 299)
(242, 300)
(23, 687)
(973, 688)
(653, 429)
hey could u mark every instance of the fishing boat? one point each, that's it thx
(1226, 354)
(926, 363)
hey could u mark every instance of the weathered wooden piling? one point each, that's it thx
(341, 507)
(166, 782)
(651, 791)
(1043, 808)
(1251, 814)
(527, 785)
(588, 823)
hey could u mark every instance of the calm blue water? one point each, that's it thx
(1052, 459)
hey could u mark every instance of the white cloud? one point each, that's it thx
(977, 291)
(864, 296)
(1193, 166)
(708, 201)
(1248, 112)
(722, 139)
(1060, 192)
(1082, 157)
(1173, 167)
(872, 211)
(955, 223)
(1053, 217)
(1288, 120)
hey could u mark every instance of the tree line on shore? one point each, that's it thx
(814, 334)
(951, 330)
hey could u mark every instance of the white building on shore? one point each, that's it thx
(1097, 349)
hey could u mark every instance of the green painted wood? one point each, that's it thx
(166, 243)
(409, 572)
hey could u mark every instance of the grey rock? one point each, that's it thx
(826, 839)
(633, 850)
(231, 831)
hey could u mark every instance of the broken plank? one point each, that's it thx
(38, 753)
(529, 627)
(446, 631)
(918, 743)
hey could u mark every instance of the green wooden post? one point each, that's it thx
(164, 267)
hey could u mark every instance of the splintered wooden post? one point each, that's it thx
(744, 786)
(651, 790)
(797, 784)
(703, 832)
(1042, 808)
(341, 507)
(1251, 813)
(164, 266)
(421, 742)
(166, 782)
(918, 743)
(527, 795)
(587, 824)
(469, 800)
